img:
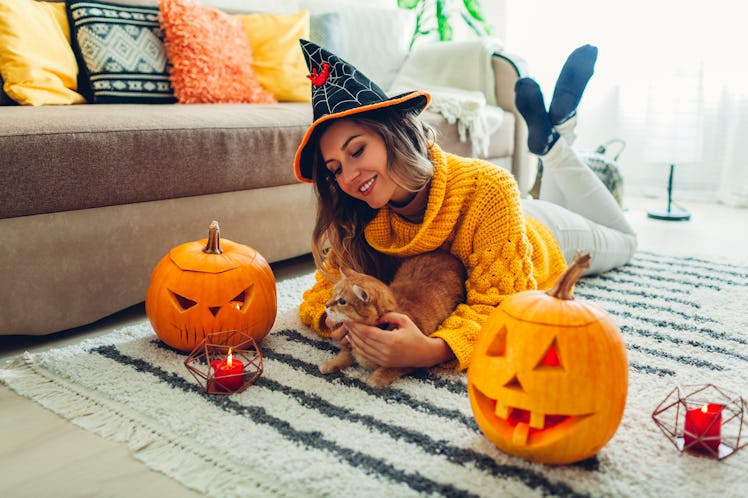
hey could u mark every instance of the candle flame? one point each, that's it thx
(705, 408)
(230, 359)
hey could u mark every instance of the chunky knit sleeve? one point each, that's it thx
(312, 307)
(492, 241)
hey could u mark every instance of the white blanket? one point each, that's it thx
(460, 78)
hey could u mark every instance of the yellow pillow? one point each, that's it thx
(36, 60)
(277, 59)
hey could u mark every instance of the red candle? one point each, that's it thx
(229, 373)
(703, 425)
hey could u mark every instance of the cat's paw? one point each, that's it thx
(343, 360)
(378, 381)
(384, 377)
(330, 366)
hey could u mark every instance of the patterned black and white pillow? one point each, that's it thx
(120, 52)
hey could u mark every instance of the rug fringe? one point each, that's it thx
(196, 467)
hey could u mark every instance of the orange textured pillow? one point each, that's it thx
(210, 55)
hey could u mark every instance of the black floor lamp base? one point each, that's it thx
(672, 214)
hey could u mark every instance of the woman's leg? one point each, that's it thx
(589, 218)
(608, 248)
(582, 190)
(592, 219)
(550, 190)
(570, 84)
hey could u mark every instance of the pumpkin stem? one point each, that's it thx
(214, 239)
(564, 286)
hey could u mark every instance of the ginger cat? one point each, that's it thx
(426, 287)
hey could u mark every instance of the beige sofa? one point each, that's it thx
(94, 195)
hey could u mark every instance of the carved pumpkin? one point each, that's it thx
(549, 374)
(209, 286)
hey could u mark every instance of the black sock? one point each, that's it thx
(529, 99)
(571, 83)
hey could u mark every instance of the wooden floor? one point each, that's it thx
(43, 455)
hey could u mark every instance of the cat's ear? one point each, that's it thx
(336, 277)
(331, 274)
(361, 293)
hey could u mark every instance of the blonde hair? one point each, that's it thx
(341, 219)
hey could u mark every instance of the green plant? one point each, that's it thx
(434, 15)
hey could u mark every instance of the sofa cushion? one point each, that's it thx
(36, 61)
(78, 157)
(121, 52)
(210, 55)
(277, 60)
(62, 157)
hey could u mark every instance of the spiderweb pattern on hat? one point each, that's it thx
(345, 88)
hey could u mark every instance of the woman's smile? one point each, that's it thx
(366, 187)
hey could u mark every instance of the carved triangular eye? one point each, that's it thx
(183, 303)
(551, 358)
(498, 344)
(241, 301)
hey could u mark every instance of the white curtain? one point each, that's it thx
(671, 81)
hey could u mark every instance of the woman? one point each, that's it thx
(386, 190)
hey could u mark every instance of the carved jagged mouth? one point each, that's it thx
(523, 427)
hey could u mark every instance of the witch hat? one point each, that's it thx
(339, 89)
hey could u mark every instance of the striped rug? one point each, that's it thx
(299, 433)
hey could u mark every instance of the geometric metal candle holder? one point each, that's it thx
(215, 347)
(718, 437)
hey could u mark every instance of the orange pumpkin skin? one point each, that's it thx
(193, 293)
(549, 378)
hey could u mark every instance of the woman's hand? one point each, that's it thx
(402, 346)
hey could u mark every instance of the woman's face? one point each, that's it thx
(357, 157)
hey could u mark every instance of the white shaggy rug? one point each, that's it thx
(299, 433)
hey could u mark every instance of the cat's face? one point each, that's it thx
(357, 297)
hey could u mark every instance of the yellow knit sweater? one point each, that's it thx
(473, 212)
